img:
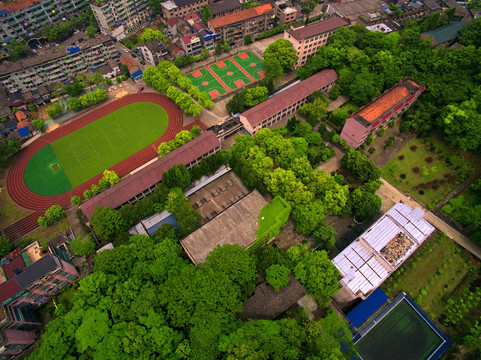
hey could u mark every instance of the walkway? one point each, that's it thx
(391, 195)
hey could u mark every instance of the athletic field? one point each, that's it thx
(88, 151)
(402, 334)
(229, 74)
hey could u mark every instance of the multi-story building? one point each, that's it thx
(19, 19)
(191, 44)
(307, 39)
(284, 12)
(154, 51)
(175, 8)
(205, 34)
(54, 64)
(286, 102)
(222, 8)
(380, 111)
(28, 279)
(121, 17)
(234, 27)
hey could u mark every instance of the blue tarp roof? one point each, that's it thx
(23, 131)
(364, 310)
(137, 74)
(168, 220)
(73, 50)
(4, 11)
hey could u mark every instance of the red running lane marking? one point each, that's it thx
(242, 69)
(218, 79)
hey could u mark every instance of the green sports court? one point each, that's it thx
(227, 75)
(88, 151)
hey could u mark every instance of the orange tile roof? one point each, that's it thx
(241, 15)
(384, 103)
(20, 115)
(127, 60)
(22, 124)
(17, 5)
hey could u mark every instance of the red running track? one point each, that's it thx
(19, 191)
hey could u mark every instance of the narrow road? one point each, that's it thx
(391, 195)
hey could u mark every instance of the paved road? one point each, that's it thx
(391, 195)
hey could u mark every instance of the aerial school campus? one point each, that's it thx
(273, 200)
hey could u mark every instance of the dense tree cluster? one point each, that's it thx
(315, 109)
(7, 149)
(82, 245)
(151, 34)
(180, 139)
(54, 110)
(54, 213)
(279, 57)
(370, 62)
(144, 300)
(361, 166)
(18, 50)
(88, 99)
(164, 75)
(5, 246)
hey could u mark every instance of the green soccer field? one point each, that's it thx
(252, 64)
(402, 334)
(230, 74)
(79, 156)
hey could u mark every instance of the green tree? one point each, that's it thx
(361, 166)
(247, 39)
(277, 276)
(226, 47)
(206, 14)
(309, 217)
(176, 176)
(469, 35)
(164, 149)
(18, 50)
(76, 89)
(255, 95)
(54, 213)
(282, 50)
(82, 245)
(38, 124)
(5, 246)
(110, 177)
(324, 237)
(91, 31)
(107, 222)
(76, 200)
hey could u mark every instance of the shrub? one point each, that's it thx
(392, 124)
(435, 186)
(381, 132)
(76, 200)
(429, 159)
(443, 181)
(447, 175)
(371, 150)
(88, 194)
(401, 157)
(416, 169)
(421, 192)
(402, 176)
(413, 148)
(369, 140)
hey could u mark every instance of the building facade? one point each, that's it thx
(28, 279)
(154, 51)
(380, 112)
(307, 39)
(26, 18)
(287, 102)
(234, 27)
(175, 8)
(57, 64)
(121, 17)
(284, 12)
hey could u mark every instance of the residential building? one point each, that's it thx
(206, 35)
(192, 44)
(28, 279)
(368, 261)
(224, 7)
(175, 8)
(55, 64)
(286, 102)
(121, 17)
(19, 19)
(154, 51)
(144, 181)
(306, 39)
(109, 70)
(284, 12)
(234, 27)
(380, 111)
(444, 36)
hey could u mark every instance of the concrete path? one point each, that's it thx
(391, 195)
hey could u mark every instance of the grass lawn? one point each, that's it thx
(437, 273)
(446, 170)
(349, 107)
(95, 147)
(9, 212)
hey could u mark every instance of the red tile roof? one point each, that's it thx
(17, 5)
(20, 115)
(374, 110)
(317, 28)
(15, 260)
(241, 15)
(289, 96)
(127, 60)
(8, 289)
(133, 185)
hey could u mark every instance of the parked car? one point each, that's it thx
(142, 62)
(133, 55)
(140, 89)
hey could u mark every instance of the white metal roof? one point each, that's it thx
(362, 266)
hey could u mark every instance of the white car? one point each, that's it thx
(126, 50)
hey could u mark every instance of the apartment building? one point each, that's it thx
(19, 19)
(54, 64)
(380, 111)
(121, 17)
(154, 51)
(234, 27)
(286, 102)
(192, 44)
(206, 35)
(221, 8)
(175, 8)
(306, 39)
(28, 279)
(284, 12)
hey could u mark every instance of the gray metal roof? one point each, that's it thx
(36, 271)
